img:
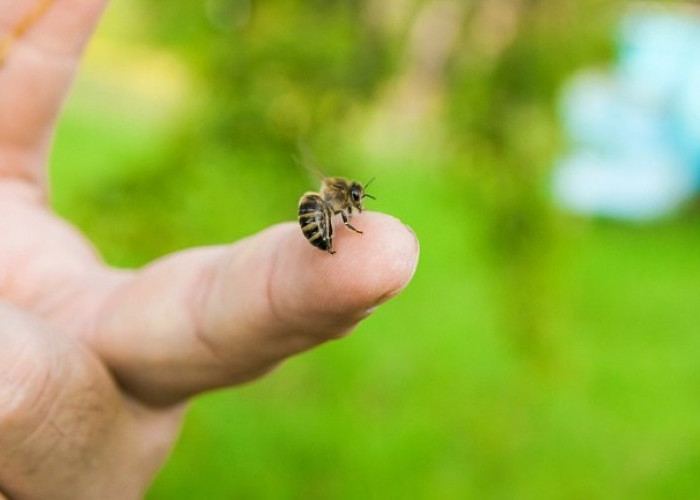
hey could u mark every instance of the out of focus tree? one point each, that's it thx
(502, 120)
(274, 72)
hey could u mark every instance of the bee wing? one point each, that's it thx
(306, 160)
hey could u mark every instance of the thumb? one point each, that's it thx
(218, 316)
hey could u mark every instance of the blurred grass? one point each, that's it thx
(435, 396)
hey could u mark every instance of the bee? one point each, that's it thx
(316, 210)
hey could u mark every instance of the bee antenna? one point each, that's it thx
(369, 182)
(367, 195)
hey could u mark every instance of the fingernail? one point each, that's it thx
(410, 230)
(417, 254)
(369, 312)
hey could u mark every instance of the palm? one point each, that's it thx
(95, 363)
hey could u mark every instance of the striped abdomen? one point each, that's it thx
(315, 221)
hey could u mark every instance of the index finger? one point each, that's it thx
(212, 317)
(42, 41)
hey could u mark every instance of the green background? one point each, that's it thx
(535, 355)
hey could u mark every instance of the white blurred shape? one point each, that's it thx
(640, 188)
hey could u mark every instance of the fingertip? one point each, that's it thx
(367, 269)
(379, 264)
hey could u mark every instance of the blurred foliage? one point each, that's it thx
(273, 71)
(533, 356)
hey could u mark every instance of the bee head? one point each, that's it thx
(357, 195)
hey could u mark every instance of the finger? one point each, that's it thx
(63, 425)
(41, 44)
(213, 317)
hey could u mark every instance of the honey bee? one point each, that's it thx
(337, 196)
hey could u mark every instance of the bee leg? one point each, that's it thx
(346, 221)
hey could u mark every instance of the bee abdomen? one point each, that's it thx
(315, 221)
(309, 204)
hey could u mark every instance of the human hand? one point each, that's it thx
(96, 363)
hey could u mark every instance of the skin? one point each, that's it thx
(97, 364)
